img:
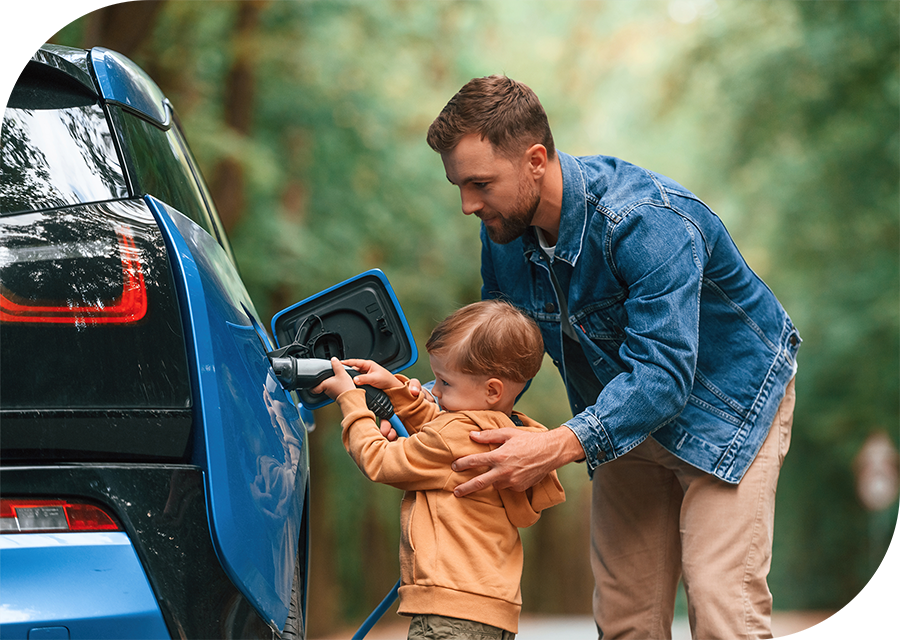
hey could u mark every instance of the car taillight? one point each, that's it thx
(128, 303)
(52, 516)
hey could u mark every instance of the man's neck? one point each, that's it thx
(546, 218)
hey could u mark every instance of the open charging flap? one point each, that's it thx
(358, 318)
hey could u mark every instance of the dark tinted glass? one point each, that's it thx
(161, 167)
(56, 148)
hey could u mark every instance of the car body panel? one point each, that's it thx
(136, 402)
(52, 580)
(255, 453)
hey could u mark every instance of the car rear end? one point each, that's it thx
(104, 527)
(93, 375)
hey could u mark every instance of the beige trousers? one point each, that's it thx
(656, 519)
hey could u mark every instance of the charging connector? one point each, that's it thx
(306, 373)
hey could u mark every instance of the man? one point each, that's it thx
(677, 359)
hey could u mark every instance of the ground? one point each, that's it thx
(393, 627)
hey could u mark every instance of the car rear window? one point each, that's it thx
(56, 148)
(161, 168)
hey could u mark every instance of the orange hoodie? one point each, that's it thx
(459, 557)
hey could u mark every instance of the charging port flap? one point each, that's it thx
(358, 318)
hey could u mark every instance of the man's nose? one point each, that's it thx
(470, 203)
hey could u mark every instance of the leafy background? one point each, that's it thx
(308, 118)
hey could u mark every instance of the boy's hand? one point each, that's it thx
(336, 384)
(373, 374)
(416, 388)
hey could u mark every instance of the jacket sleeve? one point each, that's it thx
(417, 463)
(660, 256)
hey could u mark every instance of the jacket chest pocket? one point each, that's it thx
(604, 323)
(605, 327)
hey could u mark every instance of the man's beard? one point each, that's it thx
(517, 220)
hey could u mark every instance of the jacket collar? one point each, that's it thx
(573, 215)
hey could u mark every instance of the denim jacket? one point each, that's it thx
(687, 344)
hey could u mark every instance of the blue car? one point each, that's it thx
(154, 470)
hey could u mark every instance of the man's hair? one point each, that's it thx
(506, 113)
(489, 338)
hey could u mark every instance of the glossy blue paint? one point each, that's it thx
(122, 81)
(255, 496)
(51, 584)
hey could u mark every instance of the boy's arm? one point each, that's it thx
(414, 411)
(547, 493)
(418, 463)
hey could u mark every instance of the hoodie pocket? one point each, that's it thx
(407, 545)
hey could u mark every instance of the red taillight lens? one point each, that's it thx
(34, 516)
(128, 306)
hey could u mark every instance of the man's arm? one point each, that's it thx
(520, 461)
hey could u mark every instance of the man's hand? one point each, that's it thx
(521, 460)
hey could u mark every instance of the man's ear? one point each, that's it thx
(536, 159)
(494, 391)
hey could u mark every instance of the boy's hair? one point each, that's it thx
(489, 338)
(506, 113)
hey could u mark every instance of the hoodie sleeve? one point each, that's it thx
(417, 463)
(414, 411)
(523, 508)
(547, 493)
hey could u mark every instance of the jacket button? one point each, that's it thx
(549, 307)
(793, 340)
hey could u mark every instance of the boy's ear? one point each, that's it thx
(494, 389)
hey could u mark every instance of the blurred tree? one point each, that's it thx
(227, 181)
(120, 25)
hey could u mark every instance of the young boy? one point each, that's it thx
(460, 558)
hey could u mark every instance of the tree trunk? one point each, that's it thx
(228, 182)
(122, 27)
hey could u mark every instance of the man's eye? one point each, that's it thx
(480, 185)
